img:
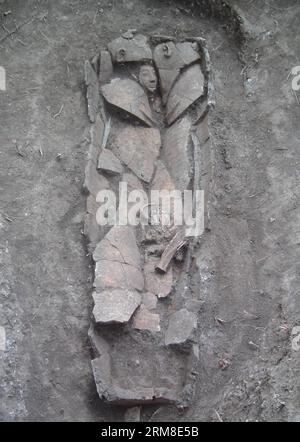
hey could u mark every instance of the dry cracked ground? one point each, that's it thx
(249, 264)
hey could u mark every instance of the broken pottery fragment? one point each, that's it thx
(93, 96)
(117, 260)
(101, 367)
(112, 274)
(94, 182)
(193, 305)
(130, 48)
(106, 67)
(176, 153)
(109, 390)
(188, 88)
(166, 80)
(181, 327)
(139, 148)
(106, 252)
(162, 218)
(170, 56)
(133, 183)
(109, 163)
(95, 63)
(188, 51)
(96, 136)
(145, 320)
(170, 59)
(119, 245)
(158, 283)
(149, 300)
(99, 346)
(130, 97)
(162, 179)
(115, 306)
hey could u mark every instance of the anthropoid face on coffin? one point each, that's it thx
(148, 78)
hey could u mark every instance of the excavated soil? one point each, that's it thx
(249, 255)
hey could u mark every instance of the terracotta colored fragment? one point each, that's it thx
(123, 238)
(119, 245)
(162, 212)
(170, 56)
(108, 389)
(133, 183)
(145, 320)
(176, 153)
(139, 148)
(115, 306)
(181, 327)
(99, 345)
(162, 179)
(188, 52)
(96, 136)
(106, 67)
(106, 252)
(93, 97)
(111, 274)
(125, 49)
(149, 300)
(95, 63)
(118, 261)
(166, 56)
(94, 181)
(170, 59)
(130, 97)
(188, 88)
(166, 80)
(109, 163)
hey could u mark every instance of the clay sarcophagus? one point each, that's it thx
(148, 101)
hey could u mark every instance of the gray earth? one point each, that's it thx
(249, 256)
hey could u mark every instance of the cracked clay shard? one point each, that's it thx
(115, 306)
(130, 97)
(117, 260)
